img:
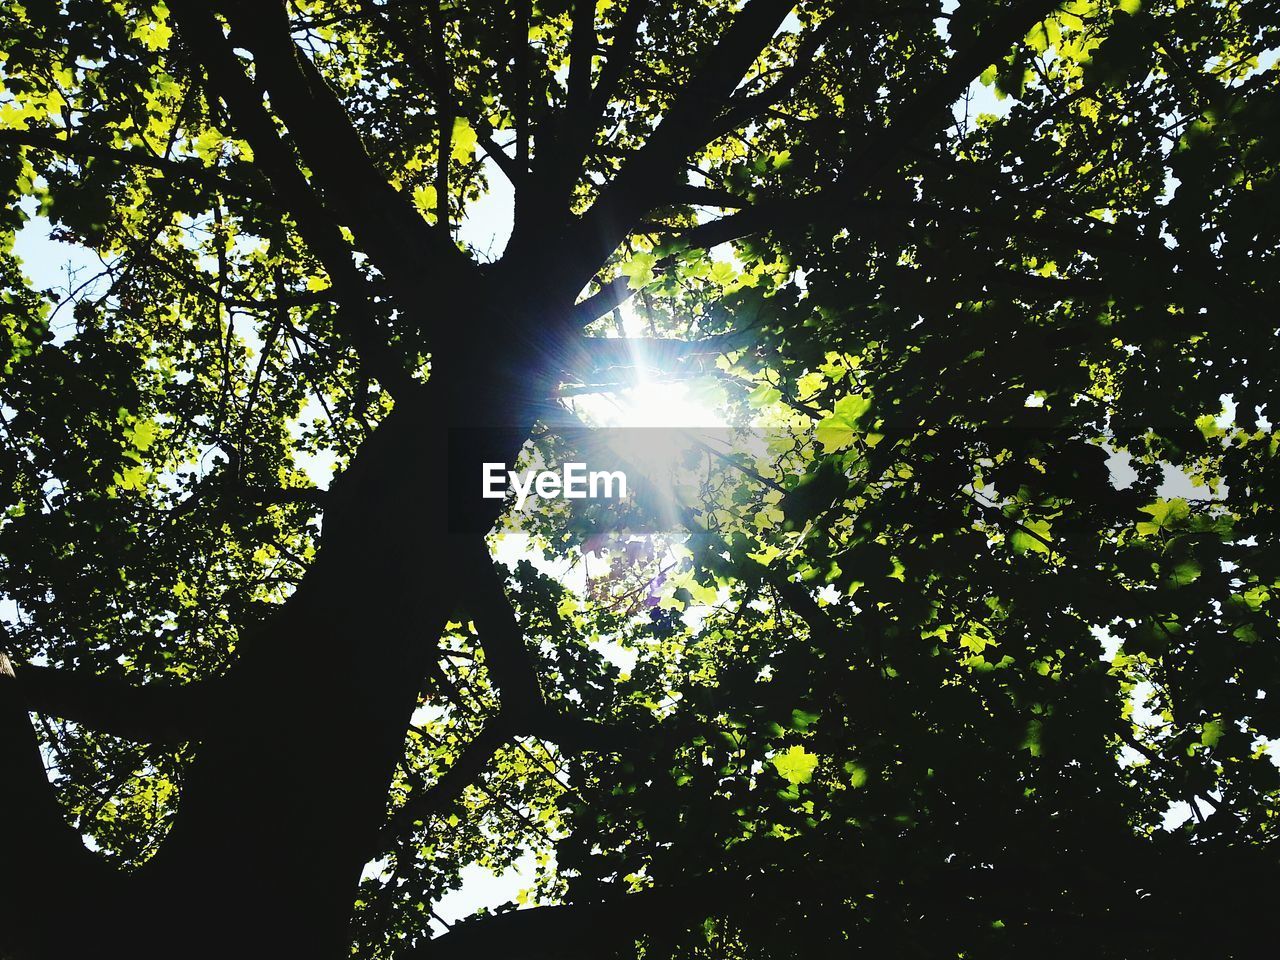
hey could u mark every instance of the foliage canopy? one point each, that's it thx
(982, 661)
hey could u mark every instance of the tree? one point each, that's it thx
(893, 728)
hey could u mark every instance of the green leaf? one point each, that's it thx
(143, 434)
(1030, 537)
(765, 395)
(424, 198)
(803, 719)
(834, 434)
(639, 270)
(796, 766)
(463, 146)
(837, 431)
(1211, 733)
(1166, 515)
(1031, 737)
(852, 408)
(1186, 571)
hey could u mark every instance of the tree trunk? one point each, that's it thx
(283, 804)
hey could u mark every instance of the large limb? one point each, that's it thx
(557, 932)
(618, 58)
(235, 182)
(579, 123)
(512, 669)
(307, 744)
(227, 79)
(149, 713)
(318, 722)
(680, 133)
(612, 294)
(384, 222)
(524, 710)
(45, 869)
(610, 924)
(560, 159)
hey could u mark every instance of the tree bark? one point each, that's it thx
(287, 795)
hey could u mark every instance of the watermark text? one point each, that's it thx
(573, 481)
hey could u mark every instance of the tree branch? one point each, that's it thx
(613, 294)
(582, 48)
(878, 149)
(510, 665)
(558, 163)
(445, 99)
(552, 932)
(575, 734)
(1005, 28)
(147, 713)
(598, 927)
(188, 169)
(201, 32)
(565, 730)
(523, 710)
(520, 80)
(680, 132)
(383, 221)
(742, 110)
(604, 353)
(41, 852)
(617, 58)
(703, 196)
(475, 756)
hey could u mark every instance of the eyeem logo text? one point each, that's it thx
(571, 482)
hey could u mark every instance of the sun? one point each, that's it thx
(651, 403)
(653, 397)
